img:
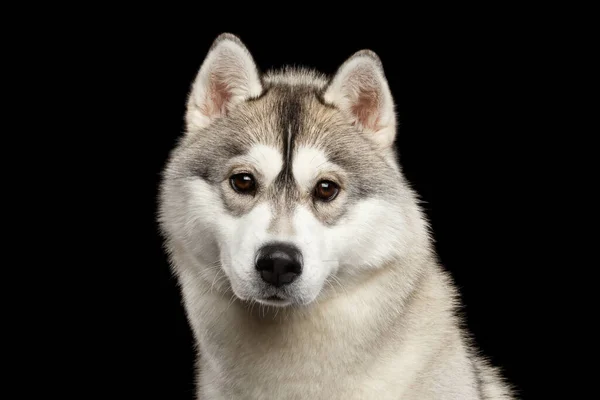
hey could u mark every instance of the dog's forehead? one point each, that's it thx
(292, 117)
(289, 130)
(285, 115)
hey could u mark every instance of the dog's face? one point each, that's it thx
(287, 185)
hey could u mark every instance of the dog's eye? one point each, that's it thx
(326, 190)
(243, 183)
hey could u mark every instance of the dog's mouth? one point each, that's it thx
(274, 300)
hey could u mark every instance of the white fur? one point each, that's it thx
(371, 235)
(267, 159)
(240, 241)
(373, 314)
(308, 163)
(371, 327)
(315, 243)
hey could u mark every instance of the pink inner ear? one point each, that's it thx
(217, 98)
(365, 108)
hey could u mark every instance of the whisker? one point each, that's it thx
(336, 280)
(331, 286)
(214, 280)
(231, 301)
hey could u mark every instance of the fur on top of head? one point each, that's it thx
(229, 76)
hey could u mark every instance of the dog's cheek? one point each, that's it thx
(338, 240)
(199, 229)
(355, 237)
(330, 250)
(310, 234)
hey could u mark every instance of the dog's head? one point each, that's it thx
(287, 181)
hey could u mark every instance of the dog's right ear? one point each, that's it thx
(228, 76)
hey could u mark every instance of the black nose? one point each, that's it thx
(279, 263)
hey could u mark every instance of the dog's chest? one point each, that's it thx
(296, 360)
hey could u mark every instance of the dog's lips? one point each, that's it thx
(274, 300)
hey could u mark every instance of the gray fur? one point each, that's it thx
(379, 320)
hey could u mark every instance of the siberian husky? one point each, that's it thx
(303, 258)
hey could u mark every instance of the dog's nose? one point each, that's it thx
(279, 263)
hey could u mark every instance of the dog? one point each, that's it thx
(304, 260)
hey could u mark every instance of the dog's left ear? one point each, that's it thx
(360, 89)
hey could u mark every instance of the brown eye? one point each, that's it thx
(326, 190)
(243, 183)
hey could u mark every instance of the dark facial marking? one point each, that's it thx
(290, 126)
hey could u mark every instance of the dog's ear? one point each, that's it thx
(228, 76)
(360, 89)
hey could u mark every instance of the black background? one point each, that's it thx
(466, 140)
